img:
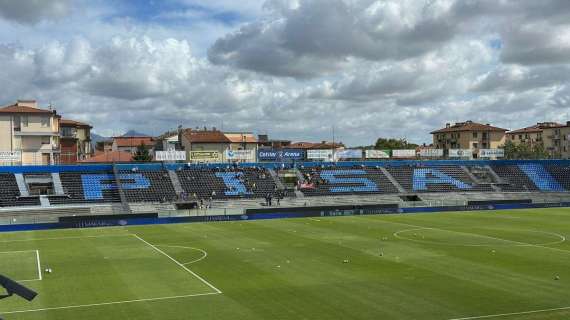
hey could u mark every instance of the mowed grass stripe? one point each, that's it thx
(411, 280)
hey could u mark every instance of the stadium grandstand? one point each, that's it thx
(192, 190)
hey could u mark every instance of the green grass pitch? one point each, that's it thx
(468, 265)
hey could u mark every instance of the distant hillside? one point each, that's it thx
(133, 133)
(96, 138)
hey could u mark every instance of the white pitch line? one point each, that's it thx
(481, 235)
(517, 243)
(204, 253)
(511, 314)
(20, 251)
(179, 264)
(315, 219)
(63, 238)
(108, 303)
(39, 264)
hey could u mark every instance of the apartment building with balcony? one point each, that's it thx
(557, 141)
(532, 136)
(75, 141)
(468, 135)
(29, 134)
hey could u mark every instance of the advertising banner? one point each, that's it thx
(491, 153)
(240, 155)
(348, 154)
(170, 155)
(404, 153)
(460, 153)
(431, 153)
(280, 154)
(377, 154)
(10, 156)
(325, 155)
(204, 156)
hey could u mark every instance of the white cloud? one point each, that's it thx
(33, 11)
(370, 68)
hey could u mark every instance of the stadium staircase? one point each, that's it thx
(57, 186)
(22, 186)
(175, 182)
(125, 208)
(392, 180)
(276, 179)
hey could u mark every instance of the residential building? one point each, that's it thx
(469, 135)
(75, 141)
(168, 141)
(557, 140)
(532, 135)
(29, 133)
(130, 144)
(264, 142)
(212, 145)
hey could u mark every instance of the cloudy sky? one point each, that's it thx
(290, 68)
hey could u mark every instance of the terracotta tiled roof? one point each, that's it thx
(23, 109)
(133, 141)
(73, 123)
(539, 127)
(318, 145)
(469, 126)
(110, 156)
(195, 136)
(240, 138)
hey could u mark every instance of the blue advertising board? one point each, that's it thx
(280, 155)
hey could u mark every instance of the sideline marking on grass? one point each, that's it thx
(511, 314)
(217, 291)
(204, 253)
(516, 243)
(71, 237)
(108, 303)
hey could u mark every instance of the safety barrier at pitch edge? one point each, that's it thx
(259, 216)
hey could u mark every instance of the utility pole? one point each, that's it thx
(333, 145)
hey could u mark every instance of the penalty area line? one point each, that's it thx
(108, 303)
(490, 316)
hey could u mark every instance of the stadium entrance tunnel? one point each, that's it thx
(476, 237)
(410, 197)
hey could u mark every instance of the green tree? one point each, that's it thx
(524, 151)
(142, 154)
(393, 144)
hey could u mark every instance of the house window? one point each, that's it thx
(45, 122)
(520, 136)
(474, 134)
(25, 121)
(46, 140)
(17, 123)
(67, 132)
(475, 145)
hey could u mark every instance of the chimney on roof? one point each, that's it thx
(214, 129)
(27, 103)
(448, 125)
(487, 124)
